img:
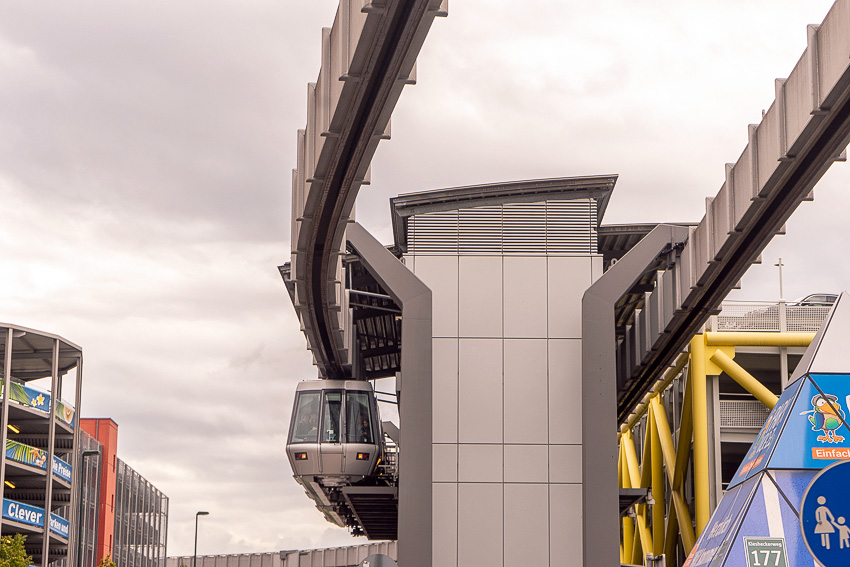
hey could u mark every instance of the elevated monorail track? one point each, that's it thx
(348, 113)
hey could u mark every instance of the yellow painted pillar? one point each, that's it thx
(656, 459)
(702, 478)
(628, 523)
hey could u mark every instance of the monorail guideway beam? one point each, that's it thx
(802, 133)
(367, 57)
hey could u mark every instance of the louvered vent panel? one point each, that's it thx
(480, 230)
(525, 228)
(432, 232)
(571, 227)
(553, 227)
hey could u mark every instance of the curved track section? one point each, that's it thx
(367, 57)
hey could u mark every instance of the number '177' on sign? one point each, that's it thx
(765, 552)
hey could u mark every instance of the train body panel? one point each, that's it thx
(335, 435)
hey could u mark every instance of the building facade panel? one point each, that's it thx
(526, 524)
(525, 297)
(480, 391)
(480, 524)
(445, 518)
(526, 391)
(445, 462)
(480, 463)
(445, 384)
(565, 409)
(480, 296)
(568, 277)
(526, 463)
(440, 274)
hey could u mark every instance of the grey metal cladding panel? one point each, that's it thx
(445, 526)
(742, 178)
(833, 41)
(480, 525)
(769, 138)
(480, 391)
(480, 298)
(526, 524)
(525, 303)
(565, 524)
(480, 463)
(445, 386)
(528, 463)
(798, 100)
(654, 318)
(525, 391)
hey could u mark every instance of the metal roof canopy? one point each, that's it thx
(531, 191)
(800, 136)
(32, 352)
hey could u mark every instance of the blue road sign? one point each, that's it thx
(825, 515)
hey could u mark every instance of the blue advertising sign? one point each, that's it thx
(61, 469)
(23, 513)
(762, 448)
(816, 435)
(59, 525)
(35, 457)
(824, 516)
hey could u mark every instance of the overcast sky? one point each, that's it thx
(146, 150)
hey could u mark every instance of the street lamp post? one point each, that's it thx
(83, 482)
(195, 557)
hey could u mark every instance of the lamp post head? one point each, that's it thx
(202, 514)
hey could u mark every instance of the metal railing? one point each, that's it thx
(769, 316)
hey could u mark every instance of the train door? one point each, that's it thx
(330, 446)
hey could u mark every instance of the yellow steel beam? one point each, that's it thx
(702, 479)
(686, 429)
(744, 378)
(657, 484)
(635, 479)
(628, 524)
(659, 387)
(680, 507)
(732, 338)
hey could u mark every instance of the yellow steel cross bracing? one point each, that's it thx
(645, 538)
(628, 524)
(744, 378)
(679, 510)
(702, 490)
(657, 484)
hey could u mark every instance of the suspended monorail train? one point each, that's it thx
(335, 436)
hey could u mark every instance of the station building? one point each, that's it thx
(506, 266)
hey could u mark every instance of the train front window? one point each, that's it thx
(306, 426)
(330, 417)
(358, 424)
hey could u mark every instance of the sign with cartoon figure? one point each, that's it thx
(806, 430)
(825, 515)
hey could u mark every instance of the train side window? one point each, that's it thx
(358, 423)
(306, 429)
(330, 417)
